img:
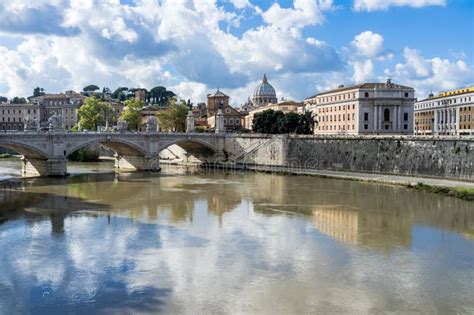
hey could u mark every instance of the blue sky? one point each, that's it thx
(193, 46)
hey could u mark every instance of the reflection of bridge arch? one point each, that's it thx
(24, 149)
(196, 147)
(122, 147)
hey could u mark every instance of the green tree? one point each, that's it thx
(95, 113)
(3, 99)
(159, 95)
(38, 92)
(307, 123)
(90, 88)
(132, 113)
(174, 117)
(18, 100)
(120, 93)
(277, 122)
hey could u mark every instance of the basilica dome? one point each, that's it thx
(264, 93)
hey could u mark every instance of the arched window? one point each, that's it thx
(386, 114)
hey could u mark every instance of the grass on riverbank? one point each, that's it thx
(458, 192)
(5, 155)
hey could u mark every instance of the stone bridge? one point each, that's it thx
(46, 153)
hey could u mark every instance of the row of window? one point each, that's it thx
(327, 118)
(350, 127)
(339, 97)
(443, 102)
(335, 108)
(13, 111)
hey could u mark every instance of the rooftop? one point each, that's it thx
(343, 88)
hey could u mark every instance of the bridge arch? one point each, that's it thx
(195, 147)
(24, 149)
(122, 147)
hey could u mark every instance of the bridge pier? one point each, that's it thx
(32, 167)
(137, 163)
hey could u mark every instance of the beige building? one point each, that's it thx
(232, 118)
(12, 116)
(64, 104)
(285, 106)
(368, 108)
(449, 113)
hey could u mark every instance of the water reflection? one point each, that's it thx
(258, 243)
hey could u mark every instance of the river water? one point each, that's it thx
(192, 242)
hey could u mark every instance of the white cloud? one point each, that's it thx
(369, 44)
(363, 70)
(303, 13)
(431, 74)
(376, 5)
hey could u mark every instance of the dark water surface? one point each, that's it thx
(192, 243)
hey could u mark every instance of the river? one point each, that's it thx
(185, 241)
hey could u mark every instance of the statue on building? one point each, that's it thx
(151, 124)
(30, 124)
(122, 125)
(55, 123)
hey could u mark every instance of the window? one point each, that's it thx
(405, 126)
(386, 114)
(405, 116)
(366, 116)
(406, 94)
(366, 94)
(366, 126)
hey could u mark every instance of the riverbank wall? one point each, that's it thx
(446, 157)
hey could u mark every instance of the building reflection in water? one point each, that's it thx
(375, 231)
(375, 216)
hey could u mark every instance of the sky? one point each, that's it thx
(192, 47)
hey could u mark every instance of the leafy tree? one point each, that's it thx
(90, 88)
(160, 96)
(18, 100)
(132, 113)
(307, 123)
(38, 91)
(3, 99)
(95, 113)
(120, 94)
(277, 122)
(174, 117)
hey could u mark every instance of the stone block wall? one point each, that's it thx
(408, 155)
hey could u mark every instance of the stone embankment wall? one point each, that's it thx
(446, 157)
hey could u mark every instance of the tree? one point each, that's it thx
(120, 94)
(160, 96)
(274, 122)
(95, 113)
(174, 117)
(18, 100)
(3, 99)
(38, 91)
(268, 121)
(90, 88)
(132, 113)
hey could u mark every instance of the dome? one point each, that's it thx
(264, 93)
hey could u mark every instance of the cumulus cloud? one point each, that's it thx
(181, 44)
(363, 71)
(303, 13)
(34, 17)
(431, 74)
(376, 5)
(369, 44)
